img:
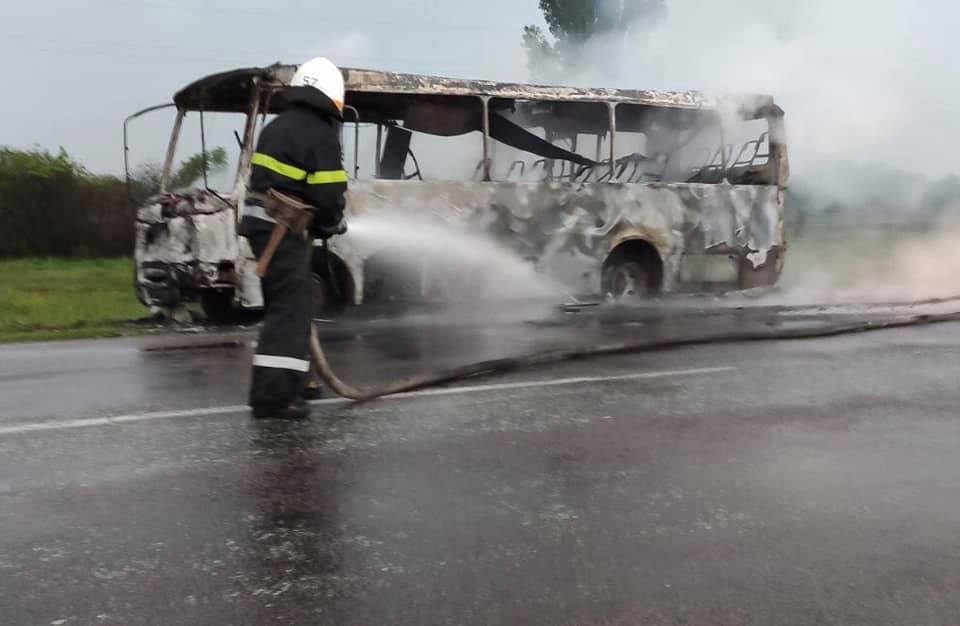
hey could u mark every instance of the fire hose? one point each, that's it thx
(503, 365)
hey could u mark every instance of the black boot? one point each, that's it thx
(313, 392)
(295, 411)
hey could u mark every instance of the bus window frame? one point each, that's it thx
(608, 112)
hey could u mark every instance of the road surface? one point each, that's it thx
(790, 482)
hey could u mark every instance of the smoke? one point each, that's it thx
(869, 102)
(861, 80)
(452, 263)
(872, 265)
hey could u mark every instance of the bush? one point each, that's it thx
(51, 206)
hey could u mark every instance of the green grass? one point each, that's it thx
(43, 299)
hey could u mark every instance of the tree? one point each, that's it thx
(145, 180)
(191, 171)
(586, 35)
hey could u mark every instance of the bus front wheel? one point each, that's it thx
(332, 284)
(217, 305)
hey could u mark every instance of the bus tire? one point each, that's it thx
(217, 305)
(633, 271)
(332, 285)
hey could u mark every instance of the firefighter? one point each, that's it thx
(298, 154)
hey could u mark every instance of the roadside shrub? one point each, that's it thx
(51, 206)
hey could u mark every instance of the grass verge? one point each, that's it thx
(44, 299)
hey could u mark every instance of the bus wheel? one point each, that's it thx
(633, 271)
(331, 285)
(320, 294)
(217, 305)
(627, 281)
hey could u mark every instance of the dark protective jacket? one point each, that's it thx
(299, 153)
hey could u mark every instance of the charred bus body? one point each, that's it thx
(610, 192)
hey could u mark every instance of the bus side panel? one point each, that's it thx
(705, 234)
(733, 237)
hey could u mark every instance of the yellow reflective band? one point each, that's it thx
(290, 171)
(267, 161)
(326, 178)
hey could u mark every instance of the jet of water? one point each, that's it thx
(471, 265)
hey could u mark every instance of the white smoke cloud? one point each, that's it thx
(859, 79)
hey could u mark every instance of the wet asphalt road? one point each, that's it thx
(801, 482)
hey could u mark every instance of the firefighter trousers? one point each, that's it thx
(281, 362)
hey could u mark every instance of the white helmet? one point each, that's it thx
(320, 73)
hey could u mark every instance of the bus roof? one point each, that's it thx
(230, 91)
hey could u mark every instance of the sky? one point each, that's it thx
(865, 80)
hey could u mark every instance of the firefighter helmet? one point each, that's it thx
(321, 74)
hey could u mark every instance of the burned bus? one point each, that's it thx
(611, 193)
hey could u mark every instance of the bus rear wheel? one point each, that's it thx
(632, 272)
(628, 281)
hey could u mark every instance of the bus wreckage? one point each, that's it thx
(612, 193)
